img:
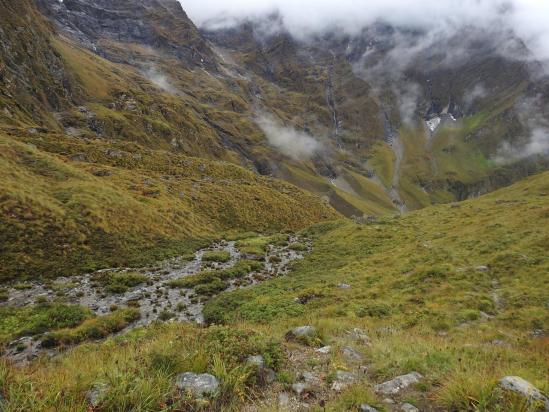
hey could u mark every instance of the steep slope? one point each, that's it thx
(92, 163)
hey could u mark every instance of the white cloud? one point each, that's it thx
(528, 18)
(289, 141)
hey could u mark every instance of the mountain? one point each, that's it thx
(368, 105)
(242, 217)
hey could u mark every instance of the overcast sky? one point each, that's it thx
(529, 18)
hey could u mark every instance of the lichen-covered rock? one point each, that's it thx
(351, 354)
(395, 385)
(95, 395)
(523, 387)
(198, 384)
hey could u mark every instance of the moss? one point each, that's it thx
(120, 282)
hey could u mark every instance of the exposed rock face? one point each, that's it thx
(395, 385)
(523, 387)
(160, 24)
(199, 385)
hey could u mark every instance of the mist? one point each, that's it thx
(287, 140)
(159, 79)
(529, 19)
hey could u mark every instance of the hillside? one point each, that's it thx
(455, 293)
(236, 94)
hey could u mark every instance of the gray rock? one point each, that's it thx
(523, 387)
(324, 350)
(301, 332)
(395, 385)
(342, 380)
(300, 387)
(95, 395)
(256, 360)
(482, 268)
(408, 407)
(367, 408)
(351, 354)
(344, 286)
(200, 385)
(267, 376)
(283, 399)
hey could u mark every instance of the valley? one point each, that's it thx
(246, 214)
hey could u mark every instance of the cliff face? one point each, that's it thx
(160, 24)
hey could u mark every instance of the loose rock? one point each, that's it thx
(408, 407)
(351, 354)
(324, 350)
(367, 408)
(342, 380)
(359, 335)
(523, 387)
(200, 385)
(301, 333)
(395, 385)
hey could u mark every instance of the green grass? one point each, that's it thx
(120, 282)
(37, 319)
(221, 256)
(95, 328)
(257, 245)
(209, 283)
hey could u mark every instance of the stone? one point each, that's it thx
(344, 286)
(367, 408)
(300, 387)
(389, 401)
(283, 399)
(395, 385)
(301, 332)
(482, 268)
(95, 395)
(198, 384)
(267, 376)
(351, 354)
(256, 360)
(523, 387)
(408, 407)
(342, 380)
(324, 350)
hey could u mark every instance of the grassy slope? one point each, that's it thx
(68, 205)
(418, 276)
(415, 288)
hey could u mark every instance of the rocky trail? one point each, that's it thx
(155, 298)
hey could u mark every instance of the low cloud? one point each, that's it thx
(287, 140)
(537, 142)
(159, 79)
(529, 19)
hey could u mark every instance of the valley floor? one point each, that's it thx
(449, 300)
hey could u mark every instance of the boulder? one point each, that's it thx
(198, 384)
(408, 407)
(523, 387)
(300, 387)
(367, 408)
(303, 334)
(395, 385)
